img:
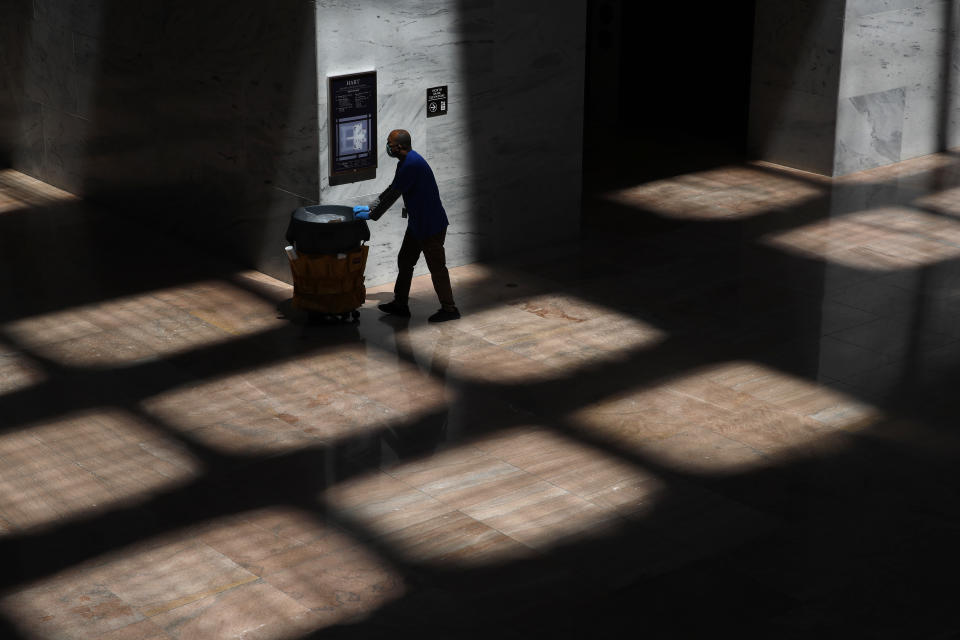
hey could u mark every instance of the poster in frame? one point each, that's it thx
(352, 127)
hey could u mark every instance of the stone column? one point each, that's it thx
(898, 91)
(795, 82)
(840, 86)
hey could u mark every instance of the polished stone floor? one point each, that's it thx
(729, 409)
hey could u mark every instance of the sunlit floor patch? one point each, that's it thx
(19, 191)
(18, 372)
(538, 339)
(793, 394)
(159, 323)
(725, 418)
(271, 574)
(878, 239)
(730, 192)
(466, 508)
(599, 476)
(945, 201)
(84, 463)
(506, 496)
(315, 399)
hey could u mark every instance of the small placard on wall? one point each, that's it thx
(437, 101)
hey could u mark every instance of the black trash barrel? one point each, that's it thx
(309, 234)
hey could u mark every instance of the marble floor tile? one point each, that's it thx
(257, 611)
(765, 428)
(893, 336)
(577, 467)
(503, 326)
(840, 360)
(143, 630)
(458, 477)
(701, 385)
(244, 541)
(10, 203)
(70, 607)
(29, 190)
(303, 526)
(569, 308)
(401, 387)
(944, 201)
(337, 586)
(115, 332)
(83, 464)
(456, 540)
(699, 449)
(793, 394)
(485, 362)
(86, 463)
(635, 416)
(253, 434)
(590, 342)
(162, 578)
(542, 515)
(702, 522)
(735, 192)
(381, 504)
(880, 239)
(298, 403)
(57, 327)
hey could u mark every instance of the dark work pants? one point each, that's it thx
(432, 249)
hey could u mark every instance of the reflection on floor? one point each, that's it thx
(730, 407)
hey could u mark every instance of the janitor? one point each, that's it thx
(426, 227)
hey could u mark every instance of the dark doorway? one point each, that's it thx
(667, 87)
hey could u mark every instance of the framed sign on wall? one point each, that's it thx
(352, 127)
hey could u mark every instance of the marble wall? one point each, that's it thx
(898, 91)
(795, 82)
(20, 131)
(198, 115)
(507, 157)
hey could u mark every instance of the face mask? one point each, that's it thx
(390, 152)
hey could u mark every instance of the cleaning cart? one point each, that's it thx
(327, 259)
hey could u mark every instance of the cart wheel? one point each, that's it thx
(355, 313)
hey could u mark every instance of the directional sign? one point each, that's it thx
(437, 101)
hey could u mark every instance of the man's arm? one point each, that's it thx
(383, 202)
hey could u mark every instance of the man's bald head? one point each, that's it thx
(401, 138)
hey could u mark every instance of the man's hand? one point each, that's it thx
(361, 213)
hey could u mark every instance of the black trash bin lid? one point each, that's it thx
(313, 213)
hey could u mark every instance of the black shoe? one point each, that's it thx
(395, 309)
(443, 315)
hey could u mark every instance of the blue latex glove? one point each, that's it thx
(361, 213)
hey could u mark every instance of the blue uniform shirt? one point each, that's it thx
(414, 179)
